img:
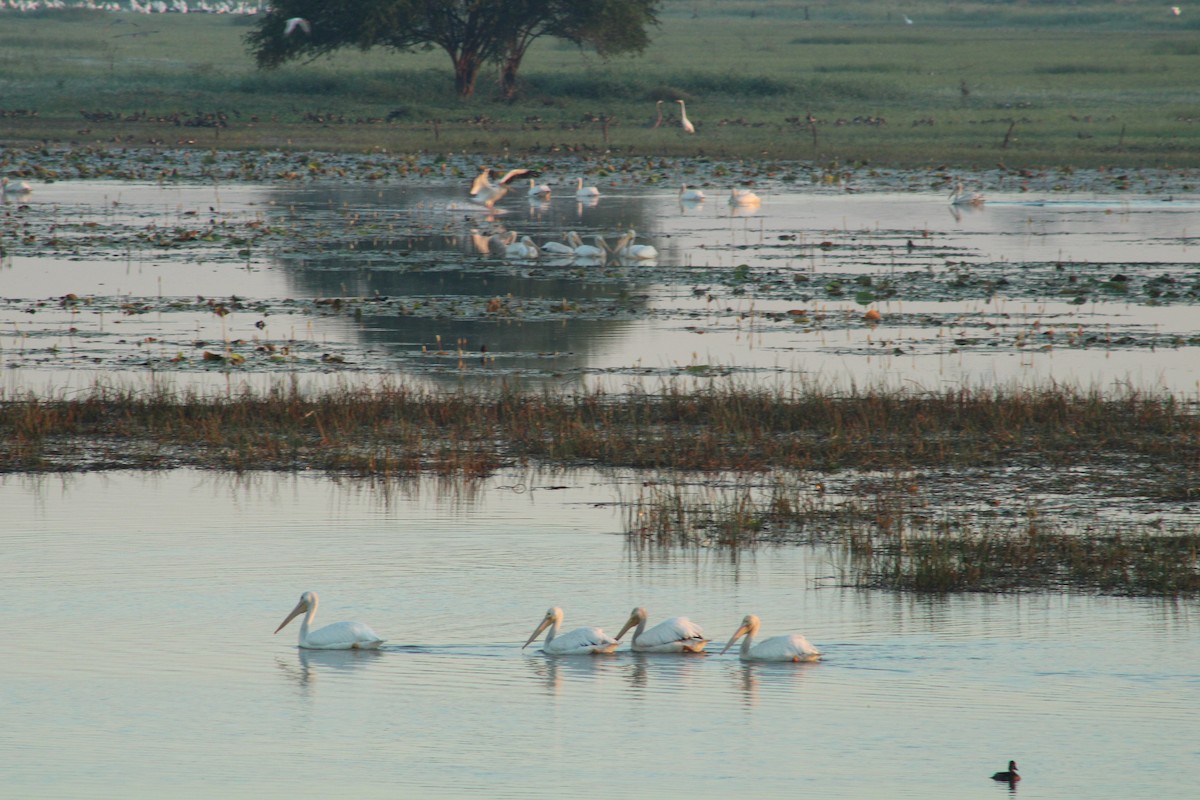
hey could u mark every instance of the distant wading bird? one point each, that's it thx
(684, 122)
(338, 636)
(581, 641)
(676, 635)
(791, 647)
(658, 119)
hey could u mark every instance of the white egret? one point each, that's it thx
(584, 192)
(963, 197)
(297, 23)
(684, 122)
(581, 641)
(338, 636)
(676, 635)
(485, 192)
(687, 195)
(792, 647)
(743, 197)
(538, 191)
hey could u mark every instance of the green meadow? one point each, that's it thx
(970, 84)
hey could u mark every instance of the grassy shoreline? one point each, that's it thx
(969, 86)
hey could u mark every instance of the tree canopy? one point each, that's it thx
(471, 32)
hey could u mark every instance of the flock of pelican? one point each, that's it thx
(675, 635)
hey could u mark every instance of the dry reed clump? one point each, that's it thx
(394, 429)
(889, 538)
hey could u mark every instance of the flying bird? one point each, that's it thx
(484, 192)
(297, 23)
(338, 636)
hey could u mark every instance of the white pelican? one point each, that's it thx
(522, 249)
(684, 122)
(297, 23)
(18, 189)
(584, 192)
(687, 195)
(558, 248)
(581, 641)
(676, 635)
(792, 647)
(626, 248)
(962, 197)
(538, 191)
(487, 193)
(597, 252)
(743, 197)
(338, 636)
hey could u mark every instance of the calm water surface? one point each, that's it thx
(141, 663)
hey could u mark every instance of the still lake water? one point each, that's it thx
(140, 659)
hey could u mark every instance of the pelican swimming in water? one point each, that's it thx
(687, 195)
(525, 248)
(962, 197)
(684, 122)
(17, 189)
(597, 252)
(743, 197)
(676, 635)
(538, 191)
(559, 248)
(792, 647)
(581, 641)
(338, 636)
(484, 192)
(627, 248)
(584, 192)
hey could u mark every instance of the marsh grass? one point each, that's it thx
(722, 428)
(944, 90)
(888, 538)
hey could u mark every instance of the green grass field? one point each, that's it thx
(969, 83)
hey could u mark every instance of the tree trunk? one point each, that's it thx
(509, 67)
(466, 70)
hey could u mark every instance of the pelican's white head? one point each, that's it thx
(308, 601)
(749, 626)
(636, 617)
(553, 616)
